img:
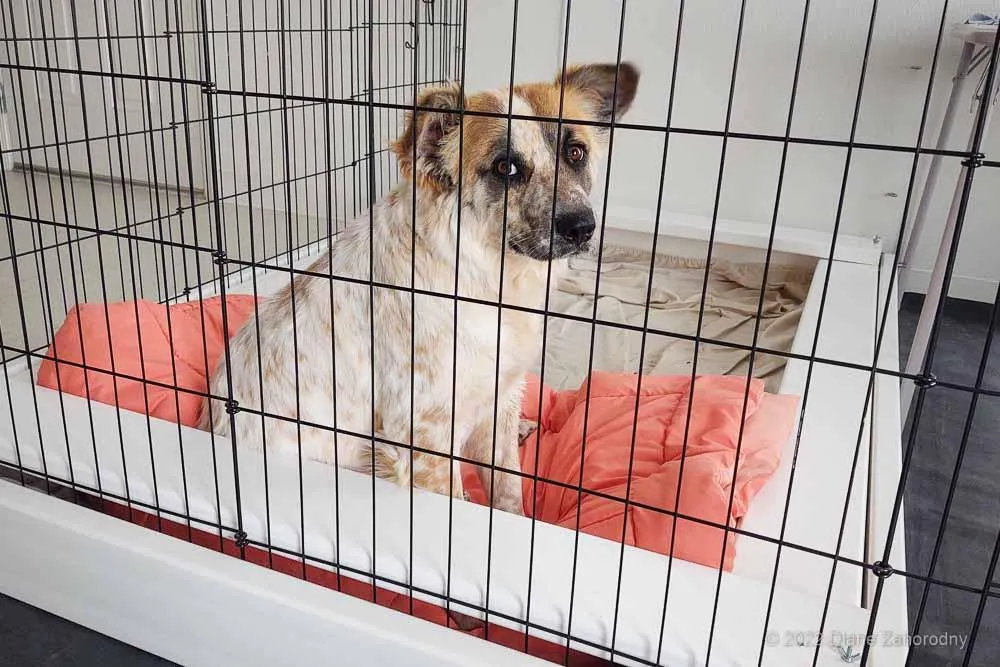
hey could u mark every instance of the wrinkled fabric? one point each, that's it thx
(732, 297)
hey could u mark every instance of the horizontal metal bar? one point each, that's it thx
(31, 168)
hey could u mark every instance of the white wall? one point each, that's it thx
(903, 41)
(280, 148)
(79, 112)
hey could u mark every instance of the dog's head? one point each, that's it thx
(535, 178)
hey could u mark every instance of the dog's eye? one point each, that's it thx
(505, 168)
(576, 153)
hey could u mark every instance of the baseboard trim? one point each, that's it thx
(961, 287)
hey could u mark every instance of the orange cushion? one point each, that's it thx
(187, 342)
(658, 455)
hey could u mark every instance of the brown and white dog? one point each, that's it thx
(317, 332)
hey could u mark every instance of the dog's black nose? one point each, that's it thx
(576, 226)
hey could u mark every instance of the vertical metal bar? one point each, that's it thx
(253, 280)
(179, 285)
(330, 231)
(413, 283)
(202, 33)
(496, 378)
(370, 200)
(593, 336)
(454, 349)
(308, 110)
(272, 184)
(659, 207)
(545, 326)
(288, 144)
(220, 241)
(154, 196)
(232, 119)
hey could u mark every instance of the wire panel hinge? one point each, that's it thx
(882, 570)
(974, 161)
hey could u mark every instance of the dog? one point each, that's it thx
(480, 196)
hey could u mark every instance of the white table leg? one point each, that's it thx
(921, 339)
(914, 230)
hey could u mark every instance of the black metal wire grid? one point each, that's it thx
(375, 56)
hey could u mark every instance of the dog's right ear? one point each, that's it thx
(430, 137)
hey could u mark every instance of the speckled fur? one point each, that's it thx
(331, 319)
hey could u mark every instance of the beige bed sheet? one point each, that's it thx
(731, 305)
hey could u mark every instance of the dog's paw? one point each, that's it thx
(525, 428)
(508, 503)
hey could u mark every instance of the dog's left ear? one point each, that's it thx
(610, 89)
(427, 135)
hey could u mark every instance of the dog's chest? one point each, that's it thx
(517, 338)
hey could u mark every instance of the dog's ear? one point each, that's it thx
(426, 136)
(608, 89)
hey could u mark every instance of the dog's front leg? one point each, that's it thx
(430, 465)
(508, 491)
(503, 491)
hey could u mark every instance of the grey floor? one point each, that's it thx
(970, 534)
(29, 637)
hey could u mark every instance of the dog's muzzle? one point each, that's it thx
(570, 234)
